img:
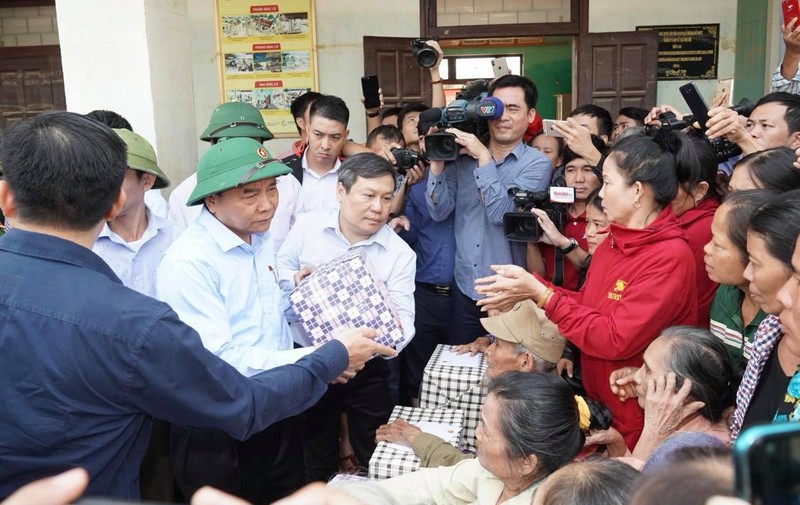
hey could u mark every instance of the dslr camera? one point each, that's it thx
(425, 55)
(468, 112)
(405, 159)
(523, 226)
(723, 148)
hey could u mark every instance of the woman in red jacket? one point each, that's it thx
(641, 279)
(694, 206)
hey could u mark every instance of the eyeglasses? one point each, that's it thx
(491, 338)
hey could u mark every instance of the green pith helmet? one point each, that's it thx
(233, 162)
(142, 156)
(236, 119)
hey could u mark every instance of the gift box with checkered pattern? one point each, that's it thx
(455, 387)
(344, 293)
(390, 461)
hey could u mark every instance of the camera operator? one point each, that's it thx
(774, 122)
(475, 187)
(563, 252)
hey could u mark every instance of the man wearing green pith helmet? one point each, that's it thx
(220, 277)
(133, 243)
(234, 120)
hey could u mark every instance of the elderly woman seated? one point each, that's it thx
(523, 340)
(530, 427)
(687, 383)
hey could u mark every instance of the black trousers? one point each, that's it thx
(365, 399)
(261, 469)
(433, 325)
(466, 319)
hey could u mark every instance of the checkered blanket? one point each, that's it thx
(388, 461)
(455, 387)
(344, 293)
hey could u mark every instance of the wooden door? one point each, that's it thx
(618, 69)
(30, 82)
(402, 80)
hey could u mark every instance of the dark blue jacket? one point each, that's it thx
(86, 363)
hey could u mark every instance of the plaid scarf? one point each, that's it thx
(764, 342)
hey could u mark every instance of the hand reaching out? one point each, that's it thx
(510, 284)
(622, 383)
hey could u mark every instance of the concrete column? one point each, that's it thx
(134, 57)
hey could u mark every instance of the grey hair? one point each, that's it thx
(540, 364)
(366, 165)
(538, 416)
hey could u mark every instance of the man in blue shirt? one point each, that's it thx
(475, 186)
(435, 246)
(220, 277)
(86, 362)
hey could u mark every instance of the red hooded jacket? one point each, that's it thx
(640, 281)
(696, 224)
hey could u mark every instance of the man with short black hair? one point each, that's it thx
(364, 190)
(316, 167)
(627, 117)
(774, 122)
(594, 118)
(407, 121)
(88, 363)
(475, 187)
(385, 135)
(299, 109)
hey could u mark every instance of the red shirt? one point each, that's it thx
(575, 227)
(696, 224)
(639, 283)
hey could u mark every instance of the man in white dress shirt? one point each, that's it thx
(364, 192)
(316, 168)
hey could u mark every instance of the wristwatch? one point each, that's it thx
(571, 247)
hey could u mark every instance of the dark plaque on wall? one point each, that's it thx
(686, 51)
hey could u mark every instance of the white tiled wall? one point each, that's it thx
(28, 26)
(500, 12)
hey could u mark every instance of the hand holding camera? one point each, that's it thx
(471, 145)
(427, 52)
(549, 232)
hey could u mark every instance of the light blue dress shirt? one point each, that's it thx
(136, 263)
(227, 290)
(316, 239)
(479, 196)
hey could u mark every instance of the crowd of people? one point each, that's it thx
(151, 343)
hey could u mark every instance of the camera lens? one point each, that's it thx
(448, 144)
(426, 57)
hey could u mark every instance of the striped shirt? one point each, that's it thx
(727, 324)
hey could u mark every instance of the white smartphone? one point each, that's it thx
(548, 127)
(724, 88)
(500, 67)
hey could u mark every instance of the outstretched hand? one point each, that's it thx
(509, 285)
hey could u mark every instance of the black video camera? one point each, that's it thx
(425, 55)
(523, 226)
(405, 159)
(468, 112)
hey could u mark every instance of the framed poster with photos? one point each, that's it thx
(267, 56)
